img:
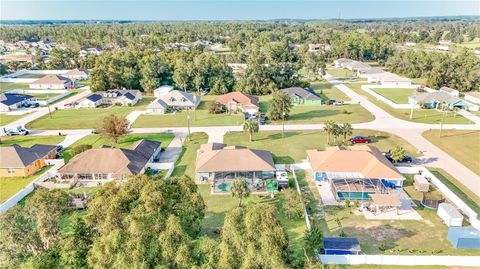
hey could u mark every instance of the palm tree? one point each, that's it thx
(397, 154)
(251, 126)
(328, 128)
(347, 130)
(336, 131)
(240, 189)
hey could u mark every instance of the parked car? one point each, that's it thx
(19, 130)
(59, 148)
(338, 103)
(331, 101)
(94, 131)
(405, 159)
(261, 119)
(33, 105)
(360, 139)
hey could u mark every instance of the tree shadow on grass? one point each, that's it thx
(279, 135)
(283, 159)
(212, 224)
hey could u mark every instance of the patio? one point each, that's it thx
(406, 211)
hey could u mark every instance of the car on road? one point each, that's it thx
(405, 159)
(360, 140)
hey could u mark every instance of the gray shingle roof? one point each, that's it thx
(431, 97)
(20, 157)
(303, 93)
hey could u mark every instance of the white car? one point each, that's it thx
(281, 176)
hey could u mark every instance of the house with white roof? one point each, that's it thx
(52, 82)
(111, 97)
(173, 100)
(162, 90)
(77, 74)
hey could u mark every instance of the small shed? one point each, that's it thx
(464, 237)
(421, 183)
(341, 245)
(450, 215)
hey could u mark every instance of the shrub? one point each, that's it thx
(292, 204)
(382, 247)
(80, 148)
(345, 112)
(216, 108)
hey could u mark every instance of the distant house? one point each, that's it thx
(77, 74)
(442, 48)
(388, 79)
(355, 162)
(433, 100)
(318, 47)
(356, 66)
(174, 100)
(239, 102)
(18, 161)
(162, 90)
(87, 51)
(450, 91)
(52, 82)
(301, 96)
(341, 63)
(368, 73)
(109, 163)
(12, 101)
(222, 164)
(111, 97)
(410, 44)
(473, 97)
(237, 67)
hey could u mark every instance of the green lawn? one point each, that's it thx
(396, 95)
(83, 118)
(200, 117)
(467, 196)
(30, 140)
(43, 96)
(305, 114)
(341, 72)
(8, 86)
(27, 75)
(124, 142)
(463, 145)
(432, 116)
(186, 162)
(328, 91)
(292, 147)
(7, 119)
(11, 185)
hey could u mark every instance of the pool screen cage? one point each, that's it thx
(356, 188)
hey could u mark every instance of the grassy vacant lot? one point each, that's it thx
(403, 237)
(43, 96)
(328, 91)
(341, 72)
(200, 117)
(7, 119)
(11, 185)
(463, 145)
(186, 162)
(432, 116)
(30, 140)
(470, 198)
(28, 75)
(124, 142)
(8, 86)
(292, 147)
(83, 118)
(396, 95)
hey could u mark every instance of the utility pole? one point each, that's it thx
(49, 112)
(188, 123)
(444, 108)
(414, 101)
(194, 107)
(283, 117)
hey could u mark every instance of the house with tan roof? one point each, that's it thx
(77, 74)
(239, 102)
(109, 163)
(473, 97)
(222, 164)
(18, 161)
(52, 82)
(356, 162)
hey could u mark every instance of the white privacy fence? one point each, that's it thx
(408, 260)
(12, 201)
(473, 217)
(163, 166)
(368, 88)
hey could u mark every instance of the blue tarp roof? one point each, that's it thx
(341, 243)
(13, 98)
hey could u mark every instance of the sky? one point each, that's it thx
(230, 9)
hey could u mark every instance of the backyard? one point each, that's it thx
(396, 95)
(125, 141)
(432, 116)
(327, 91)
(83, 118)
(11, 185)
(292, 147)
(463, 145)
(341, 72)
(30, 140)
(8, 86)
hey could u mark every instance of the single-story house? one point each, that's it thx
(433, 100)
(391, 80)
(355, 162)
(77, 74)
(110, 97)
(12, 101)
(368, 73)
(23, 161)
(52, 82)
(109, 163)
(464, 237)
(356, 66)
(174, 100)
(162, 90)
(239, 102)
(303, 96)
(341, 246)
(237, 67)
(341, 62)
(318, 47)
(473, 97)
(222, 164)
(450, 91)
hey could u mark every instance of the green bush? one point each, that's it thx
(292, 204)
(80, 148)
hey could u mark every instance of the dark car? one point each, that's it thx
(360, 139)
(331, 101)
(405, 159)
(59, 148)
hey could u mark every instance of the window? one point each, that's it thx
(11, 170)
